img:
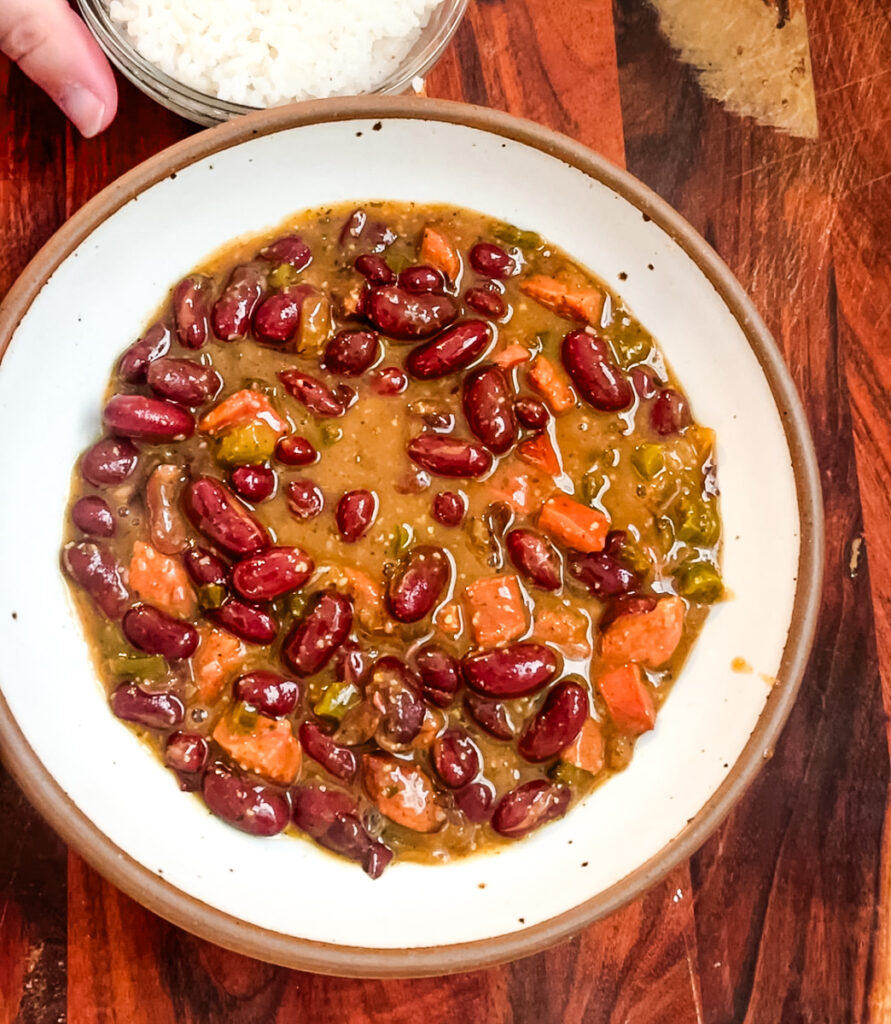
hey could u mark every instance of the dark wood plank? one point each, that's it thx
(785, 900)
(32, 857)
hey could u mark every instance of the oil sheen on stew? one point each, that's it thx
(397, 533)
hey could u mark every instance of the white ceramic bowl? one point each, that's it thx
(87, 295)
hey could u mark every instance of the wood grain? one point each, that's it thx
(785, 914)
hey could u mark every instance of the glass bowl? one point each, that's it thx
(207, 109)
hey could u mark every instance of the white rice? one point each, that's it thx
(265, 52)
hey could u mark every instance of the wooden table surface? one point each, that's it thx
(785, 914)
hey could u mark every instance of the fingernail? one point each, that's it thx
(84, 108)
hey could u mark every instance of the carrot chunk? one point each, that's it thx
(538, 451)
(438, 251)
(628, 700)
(586, 750)
(242, 407)
(264, 746)
(546, 379)
(497, 611)
(546, 291)
(162, 581)
(584, 304)
(522, 489)
(513, 355)
(447, 619)
(647, 637)
(564, 629)
(576, 525)
(219, 656)
(402, 792)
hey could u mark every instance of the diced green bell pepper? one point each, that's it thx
(700, 582)
(648, 460)
(337, 699)
(248, 445)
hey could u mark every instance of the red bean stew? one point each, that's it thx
(399, 530)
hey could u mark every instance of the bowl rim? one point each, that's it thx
(160, 896)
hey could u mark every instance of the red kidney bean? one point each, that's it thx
(490, 715)
(417, 583)
(191, 310)
(234, 309)
(277, 317)
(355, 513)
(244, 803)
(488, 409)
(452, 350)
(110, 461)
(97, 570)
(222, 518)
(311, 643)
(167, 529)
(627, 604)
(205, 568)
(291, 250)
(305, 499)
(350, 663)
(183, 381)
(531, 413)
(513, 671)
(153, 710)
(440, 674)
(353, 227)
(556, 724)
(536, 558)
(670, 413)
(456, 758)
(422, 279)
(615, 542)
(644, 381)
(603, 574)
(413, 481)
(449, 456)
(253, 483)
(268, 692)
(394, 691)
(316, 807)
(246, 621)
(449, 508)
(486, 303)
(590, 364)
(186, 753)
(406, 317)
(92, 516)
(318, 398)
(339, 761)
(346, 395)
(134, 363)
(147, 419)
(296, 451)
(491, 260)
(378, 236)
(374, 269)
(186, 749)
(475, 801)
(349, 837)
(155, 632)
(328, 816)
(528, 807)
(271, 573)
(351, 353)
(389, 380)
